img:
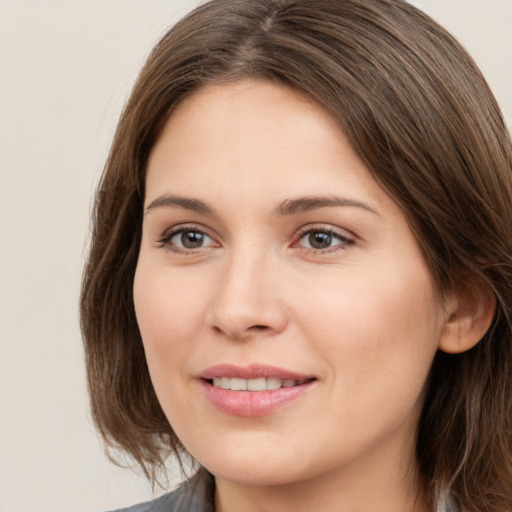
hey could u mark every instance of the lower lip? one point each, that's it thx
(253, 403)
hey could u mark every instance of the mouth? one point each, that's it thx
(254, 390)
(258, 384)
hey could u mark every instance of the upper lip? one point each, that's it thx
(252, 371)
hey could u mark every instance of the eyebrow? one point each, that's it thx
(181, 202)
(309, 203)
(287, 207)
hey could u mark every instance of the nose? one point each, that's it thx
(249, 299)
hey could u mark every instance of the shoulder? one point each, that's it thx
(194, 495)
(165, 503)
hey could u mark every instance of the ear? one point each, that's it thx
(468, 316)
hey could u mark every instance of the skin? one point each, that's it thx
(361, 315)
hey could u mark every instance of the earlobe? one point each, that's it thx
(468, 316)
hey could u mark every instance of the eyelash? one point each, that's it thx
(344, 241)
(167, 236)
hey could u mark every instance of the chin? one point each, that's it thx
(254, 476)
(258, 469)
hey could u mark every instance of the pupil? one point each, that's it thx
(191, 239)
(320, 240)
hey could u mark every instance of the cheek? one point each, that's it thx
(375, 327)
(169, 314)
(378, 336)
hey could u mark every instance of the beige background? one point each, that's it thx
(66, 67)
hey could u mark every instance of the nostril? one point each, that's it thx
(259, 327)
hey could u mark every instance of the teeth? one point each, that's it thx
(256, 385)
(273, 383)
(261, 384)
(238, 384)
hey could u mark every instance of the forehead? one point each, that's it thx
(254, 137)
(249, 115)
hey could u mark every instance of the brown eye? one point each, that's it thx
(319, 240)
(324, 240)
(187, 240)
(191, 239)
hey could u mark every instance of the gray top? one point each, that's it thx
(194, 495)
(197, 494)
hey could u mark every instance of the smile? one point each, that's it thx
(261, 384)
(254, 390)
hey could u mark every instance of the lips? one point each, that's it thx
(253, 390)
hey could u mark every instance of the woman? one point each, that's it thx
(301, 265)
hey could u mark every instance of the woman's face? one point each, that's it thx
(272, 260)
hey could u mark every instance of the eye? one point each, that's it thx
(190, 239)
(185, 239)
(324, 240)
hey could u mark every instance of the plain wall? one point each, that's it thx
(66, 68)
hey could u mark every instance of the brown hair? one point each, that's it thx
(420, 114)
